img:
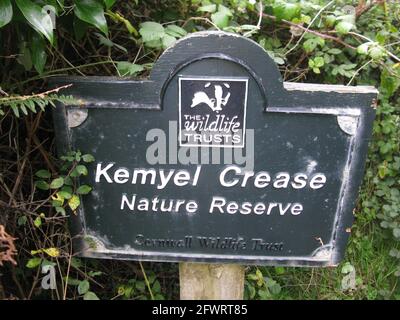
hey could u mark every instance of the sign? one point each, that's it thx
(215, 159)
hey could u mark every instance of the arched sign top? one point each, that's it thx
(224, 46)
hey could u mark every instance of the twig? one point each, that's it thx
(146, 280)
(322, 35)
(308, 27)
(258, 26)
(41, 95)
(358, 70)
(369, 40)
(363, 8)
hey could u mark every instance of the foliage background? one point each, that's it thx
(335, 42)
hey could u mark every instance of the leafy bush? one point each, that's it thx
(337, 42)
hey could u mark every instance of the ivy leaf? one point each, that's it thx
(208, 8)
(90, 296)
(376, 52)
(6, 12)
(87, 158)
(125, 68)
(37, 18)
(57, 183)
(33, 263)
(74, 202)
(175, 31)
(221, 19)
(151, 31)
(64, 194)
(310, 44)
(44, 174)
(84, 189)
(81, 169)
(286, 11)
(319, 62)
(42, 185)
(83, 287)
(37, 222)
(60, 210)
(167, 41)
(22, 220)
(344, 27)
(92, 12)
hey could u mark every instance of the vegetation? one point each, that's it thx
(336, 42)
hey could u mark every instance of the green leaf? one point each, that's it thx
(87, 158)
(94, 273)
(44, 174)
(84, 189)
(319, 62)
(90, 296)
(74, 202)
(81, 169)
(208, 8)
(151, 31)
(22, 220)
(376, 52)
(225, 10)
(6, 12)
(175, 31)
(125, 68)
(286, 11)
(363, 48)
(83, 287)
(310, 45)
(221, 19)
(264, 294)
(37, 18)
(334, 51)
(68, 181)
(64, 194)
(344, 27)
(42, 185)
(37, 222)
(167, 41)
(57, 183)
(72, 281)
(92, 12)
(33, 263)
(60, 210)
(109, 3)
(140, 285)
(39, 55)
(25, 57)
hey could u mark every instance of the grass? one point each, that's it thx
(367, 251)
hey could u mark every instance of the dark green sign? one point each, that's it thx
(215, 159)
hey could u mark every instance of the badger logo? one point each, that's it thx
(212, 111)
(215, 103)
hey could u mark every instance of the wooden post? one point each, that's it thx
(200, 281)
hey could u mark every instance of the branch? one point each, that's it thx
(37, 95)
(319, 34)
(363, 8)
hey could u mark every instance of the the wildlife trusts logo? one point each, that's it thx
(212, 111)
